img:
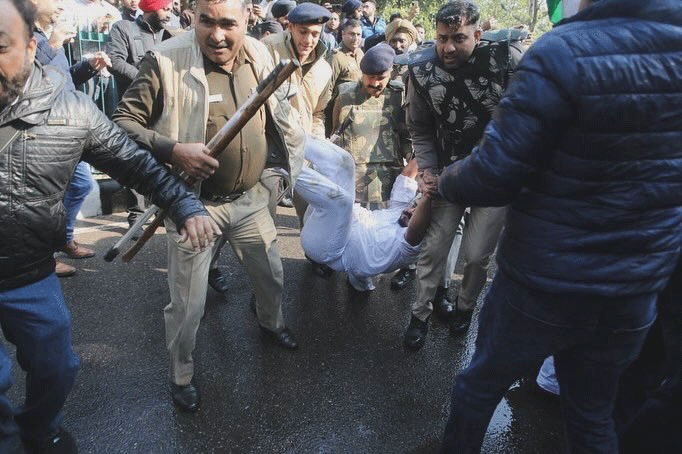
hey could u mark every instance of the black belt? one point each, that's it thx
(217, 198)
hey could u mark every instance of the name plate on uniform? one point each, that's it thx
(215, 98)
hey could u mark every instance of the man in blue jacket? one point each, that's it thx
(586, 148)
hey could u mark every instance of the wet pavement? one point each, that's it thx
(351, 387)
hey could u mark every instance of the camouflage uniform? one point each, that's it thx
(373, 131)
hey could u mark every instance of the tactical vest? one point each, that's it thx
(463, 100)
(371, 136)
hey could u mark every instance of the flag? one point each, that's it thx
(561, 9)
(555, 9)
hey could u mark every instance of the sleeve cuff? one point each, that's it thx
(163, 148)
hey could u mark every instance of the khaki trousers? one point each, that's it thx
(248, 227)
(481, 232)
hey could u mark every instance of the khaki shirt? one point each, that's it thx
(242, 162)
(310, 85)
(345, 67)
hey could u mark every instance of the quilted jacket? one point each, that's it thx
(52, 129)
(586, 145)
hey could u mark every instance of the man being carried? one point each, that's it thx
(347, 237)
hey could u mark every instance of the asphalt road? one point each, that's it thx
(351, 387)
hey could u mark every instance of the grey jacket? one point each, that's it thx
(128, 42)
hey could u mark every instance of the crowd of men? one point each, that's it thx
(568, 155)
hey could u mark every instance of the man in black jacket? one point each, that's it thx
(44, 132)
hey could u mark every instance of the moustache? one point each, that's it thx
(220, 45)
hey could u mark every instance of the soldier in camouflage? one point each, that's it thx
(452, 92)
(369, 122)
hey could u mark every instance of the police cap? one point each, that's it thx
(309, 13)
(377, 60)
(282, 7)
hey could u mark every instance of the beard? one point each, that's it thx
(10, 89)
(156, 22)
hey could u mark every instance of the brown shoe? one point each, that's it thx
(64, 270)
(76, 251)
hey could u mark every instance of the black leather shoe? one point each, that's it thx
(61, 442)
(186, 397)
(459, 323)
(320, 269)
(402, 278)
(283, 338)
(218, 281)
(416, 333)
(442, 306)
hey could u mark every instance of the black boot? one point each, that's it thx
(218, 281)
(186, 397)
(416, 333)
(442, 305)
(60, 442)
(460, 321)
(402, 278)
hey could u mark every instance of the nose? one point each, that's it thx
(449, 47)
(216, 35)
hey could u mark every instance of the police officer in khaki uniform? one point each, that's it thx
(185, 92)
(309, 87)
(369, 121)
(346, 58)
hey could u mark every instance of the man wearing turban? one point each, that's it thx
(130, 40)
(401, 35)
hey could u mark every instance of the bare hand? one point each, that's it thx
(61, 34)
(258, 11)
(201, 231)
(193, 159)
(428, 184)
(99, 61)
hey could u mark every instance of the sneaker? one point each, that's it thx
(61, 442)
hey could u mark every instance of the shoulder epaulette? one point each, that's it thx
(347, 87)
(419, 56)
